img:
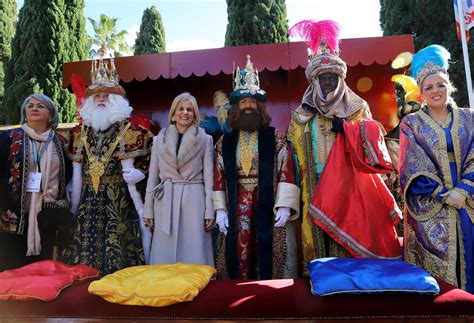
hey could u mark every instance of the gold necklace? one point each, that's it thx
(246, 150)
(96, 166)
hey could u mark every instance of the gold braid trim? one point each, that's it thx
(466, 181)
(77, 156)
(469, 199)
(462, 259)
(367, 146)
(456, 142)
(437, 190)
(437, 206)
(443, 160)
(97, 167)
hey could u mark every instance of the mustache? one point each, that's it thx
(101, 105)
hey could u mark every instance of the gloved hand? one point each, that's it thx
(454, 199)
(222, 220)
(132, 175)
(338, 125)
(76, 187)
(69, 190)
(282, 216)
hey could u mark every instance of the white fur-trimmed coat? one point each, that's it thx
(179, 197)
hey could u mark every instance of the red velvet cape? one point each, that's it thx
(351, 202)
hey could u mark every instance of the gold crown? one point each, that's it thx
(103, 78)
(428, 69)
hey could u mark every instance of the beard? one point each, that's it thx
(246, 121)
(101, 116)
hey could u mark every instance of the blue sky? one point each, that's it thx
(197, 24)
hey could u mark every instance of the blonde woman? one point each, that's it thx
(437, 175)
(178, 203)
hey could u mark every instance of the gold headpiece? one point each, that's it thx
(104, 79)
(428, 69)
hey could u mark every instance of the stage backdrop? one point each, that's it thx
(153, 80)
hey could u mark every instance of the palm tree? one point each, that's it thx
(107, 37)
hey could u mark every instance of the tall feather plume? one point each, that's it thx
(316, 32)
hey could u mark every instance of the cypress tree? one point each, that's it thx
(78, 48)
(256, 22)
(40, 47)
(430, 22)
(7, 31)
(151, 37)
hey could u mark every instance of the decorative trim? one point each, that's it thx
(443, 160)
(437, 205)
(456, 140)
(437, 191)
(341, 236)
(368, 148)
(26, 166)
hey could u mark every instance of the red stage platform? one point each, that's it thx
(253, 300)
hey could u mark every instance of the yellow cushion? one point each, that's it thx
(153, 285)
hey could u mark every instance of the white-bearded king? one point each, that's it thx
(110, 157)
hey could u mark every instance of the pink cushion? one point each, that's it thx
(42, 280)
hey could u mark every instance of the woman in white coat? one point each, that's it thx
(178, 203)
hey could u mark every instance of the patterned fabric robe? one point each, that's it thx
(253, 248)
(311, 138)
(435, 159)
(107, 236)
(14, 168)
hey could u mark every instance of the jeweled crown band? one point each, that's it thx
(428, 69)
(246, 83)
(104, 79)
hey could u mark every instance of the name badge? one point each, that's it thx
(34, 182)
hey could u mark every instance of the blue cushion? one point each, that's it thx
(331, 276)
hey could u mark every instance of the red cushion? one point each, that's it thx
(42, 280)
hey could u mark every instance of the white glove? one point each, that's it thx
(282, 216)
(132, 175)
(69, 190)
(76, 186)
(455, 199)
(222, 220)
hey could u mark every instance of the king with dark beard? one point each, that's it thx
(255, 196)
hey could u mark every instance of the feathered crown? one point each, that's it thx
(103, 78)
(322, 38)
(246, 83)
(430, 60)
